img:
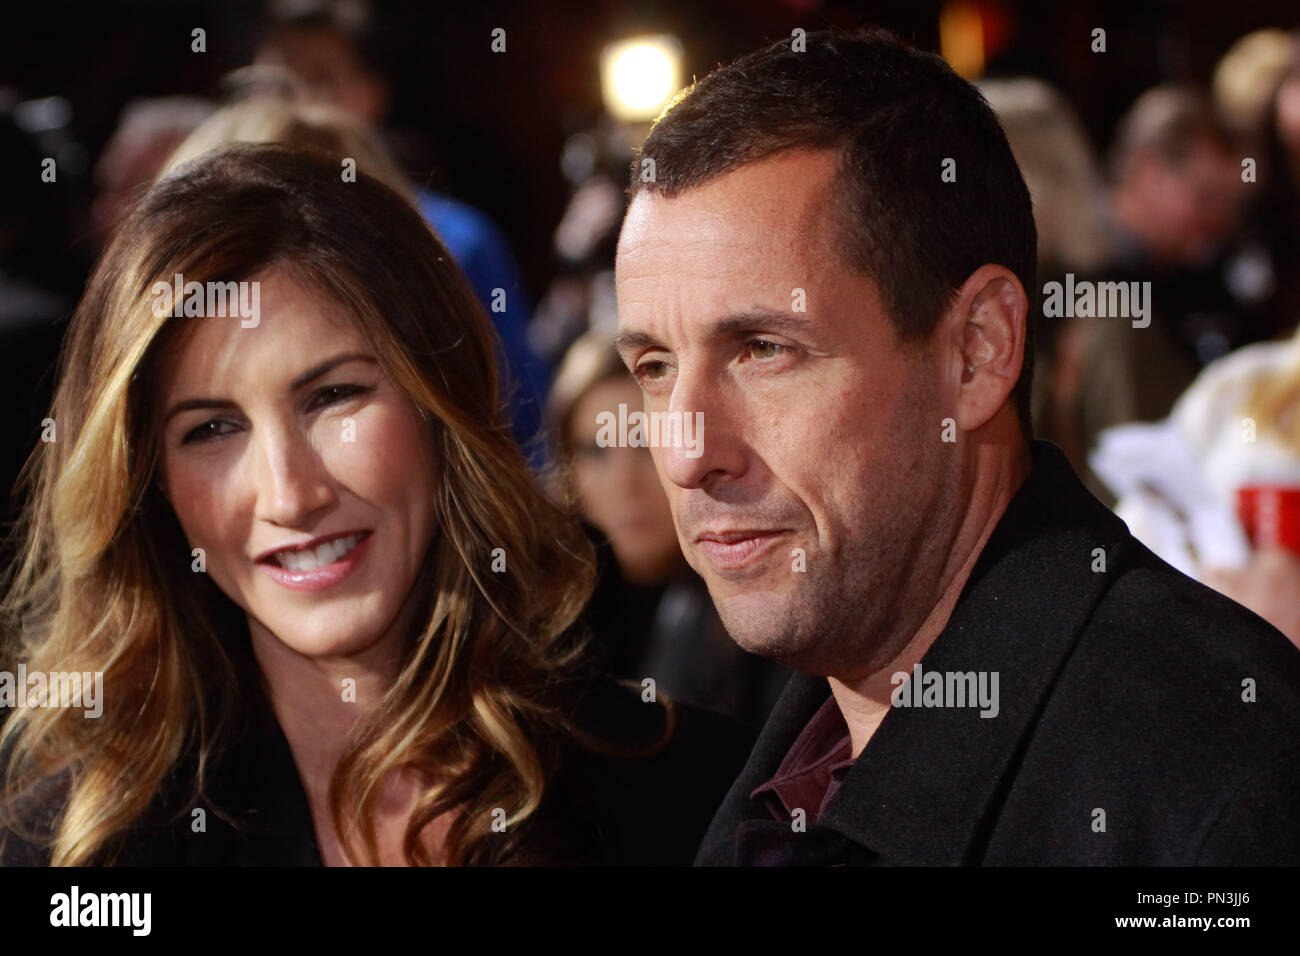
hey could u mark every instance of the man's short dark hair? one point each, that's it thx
(894, 114)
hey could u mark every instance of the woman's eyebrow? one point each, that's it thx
(314, 373)
(305, 378)
(190, 404)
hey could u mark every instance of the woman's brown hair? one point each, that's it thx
(104, 580)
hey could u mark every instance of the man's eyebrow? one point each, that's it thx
(305, 378)
(761, 320)
(633, 340)
(740, 323)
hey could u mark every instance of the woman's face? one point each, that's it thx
(289, 434)
(618, 489)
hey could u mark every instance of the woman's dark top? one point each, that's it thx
(598, 810)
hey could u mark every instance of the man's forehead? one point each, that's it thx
(785, 194)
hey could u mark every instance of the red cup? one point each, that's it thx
(1270, 515)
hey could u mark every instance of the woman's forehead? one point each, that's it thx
(296, 326)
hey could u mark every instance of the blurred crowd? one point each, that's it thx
(1187, 424)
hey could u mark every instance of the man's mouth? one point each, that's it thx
(736, 549)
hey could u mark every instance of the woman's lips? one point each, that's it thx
(734, 551)
(319, 578)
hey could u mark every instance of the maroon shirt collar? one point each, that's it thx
(812, 770)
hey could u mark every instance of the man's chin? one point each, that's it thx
(758, 621)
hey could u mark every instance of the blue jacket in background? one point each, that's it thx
(483, 253)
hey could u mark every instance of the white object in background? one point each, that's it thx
(1165, 500)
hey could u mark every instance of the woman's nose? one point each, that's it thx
(292, 482)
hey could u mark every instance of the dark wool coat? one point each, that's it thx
(1124, 704)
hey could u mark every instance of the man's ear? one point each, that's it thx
(984, 344)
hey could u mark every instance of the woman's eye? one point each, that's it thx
(333, 394)
(206, 432)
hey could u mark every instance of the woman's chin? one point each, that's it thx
(334, 638)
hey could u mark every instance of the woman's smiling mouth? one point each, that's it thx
(316, 564)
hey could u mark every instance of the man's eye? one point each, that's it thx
(333, 394)
(206, 432)
(763, 349)
(651, 370)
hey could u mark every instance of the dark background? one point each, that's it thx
(491, 126)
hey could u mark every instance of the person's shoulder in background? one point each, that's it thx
(481, 250)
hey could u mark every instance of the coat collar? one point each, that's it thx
(921, 789)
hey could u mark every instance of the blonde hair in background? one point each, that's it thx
(1274, 401)
(1247, 75)
(312, 127)
(590, 360)
(1060, 169)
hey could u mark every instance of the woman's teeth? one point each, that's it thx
(327, 553)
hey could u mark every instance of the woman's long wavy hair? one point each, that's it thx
(104, 584)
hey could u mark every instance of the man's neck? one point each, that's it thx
(865, 701)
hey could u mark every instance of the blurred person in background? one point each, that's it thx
(1276, 212)
(266, 117)
(581, 296)
(1176, 181)
(33, 308)
(651, 614)
(1176, 199)
(1215, 488)
(1209, 487)
(337, 49)
(38, 287)
(1061, 172)
(147, 133)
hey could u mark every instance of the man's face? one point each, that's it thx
(814, 506)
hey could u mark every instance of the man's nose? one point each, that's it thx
(702, 439)
(292, 481)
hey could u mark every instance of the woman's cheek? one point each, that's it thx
(348, 445)
(192, 497)
(206, 499)
(397, 446)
